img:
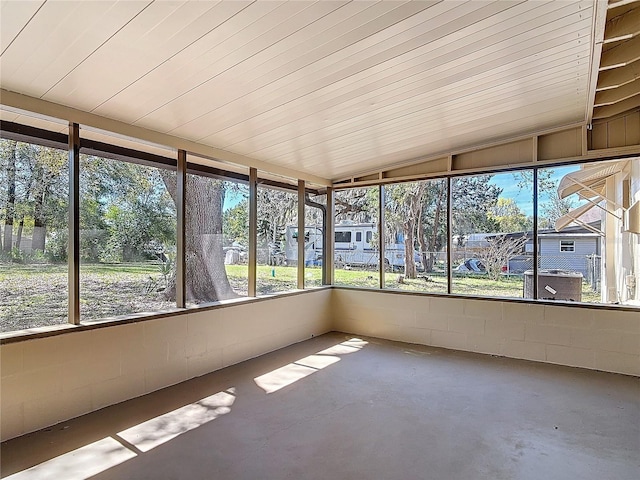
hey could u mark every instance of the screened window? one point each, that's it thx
(216, 239)
(416, 236)
(277, 240)
(343, 237)
(567, 246)
(34, 212)
(492, 222)
(127, 238)
(315, 218)
(355, 264)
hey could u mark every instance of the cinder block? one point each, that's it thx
(627, 322)
(203, 364)
(402, 316)
(39, 353)
(455, 340)
(196, 345)
(583, 337)
(508, 328)
(572, 356)
(418, 336)
(11, 359)
(201, 323)
(11, 421)
(411, 303)
(135, 360)
(176, 349)
(355, 325)
(235, 326)
(484, 344)
(35, 384)
(276, 340)
(439, 306)
(236, 353)
(155, 354)
(465, 324)
(568, 316)
(162, 329)
(101, 344)
(260, 319)
(44, 411)
(87, 373)
(435, 321)
(618, 362)
(374, 318)
(482, 308)
(116, 390)
(169, 374)
(526, 350)
(382, 300)
(609, 340)
(549, 334)
(526, 312)
(630, 343)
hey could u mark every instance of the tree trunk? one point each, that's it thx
(275, 229)
(39, 222)
(414, 208)
(422, 241)
(409, 263)
(11, 197)
(19, 234)
(206, 277)
(433, 240)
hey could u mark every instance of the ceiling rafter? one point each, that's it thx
(623, 27)
(618, 83)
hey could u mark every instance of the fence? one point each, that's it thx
(590, 266)
(594, 271)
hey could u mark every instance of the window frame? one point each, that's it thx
(29, 134)
(347, 233)
(567, 244)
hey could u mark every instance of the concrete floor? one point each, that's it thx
(338, 408)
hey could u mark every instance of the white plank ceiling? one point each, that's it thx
(330, 88)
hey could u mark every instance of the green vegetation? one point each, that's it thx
(35, 295)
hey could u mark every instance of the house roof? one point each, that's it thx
(573, 230)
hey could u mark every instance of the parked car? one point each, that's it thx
(471, 265)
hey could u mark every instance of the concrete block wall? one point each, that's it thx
(48, 380)
(605, 340)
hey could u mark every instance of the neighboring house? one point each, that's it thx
(613, 189)
(575, 249)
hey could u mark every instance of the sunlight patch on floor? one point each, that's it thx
(161, 429)
(81, 463)
(284, 376)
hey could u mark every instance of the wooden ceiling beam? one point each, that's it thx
(623, 27)
(615, 95)
(615, 4)
(621, 55)
(616, 108)
(618, 77)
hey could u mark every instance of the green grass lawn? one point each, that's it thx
(36, 295)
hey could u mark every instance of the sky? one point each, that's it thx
(508, 182)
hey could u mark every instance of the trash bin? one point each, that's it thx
(554, 285)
